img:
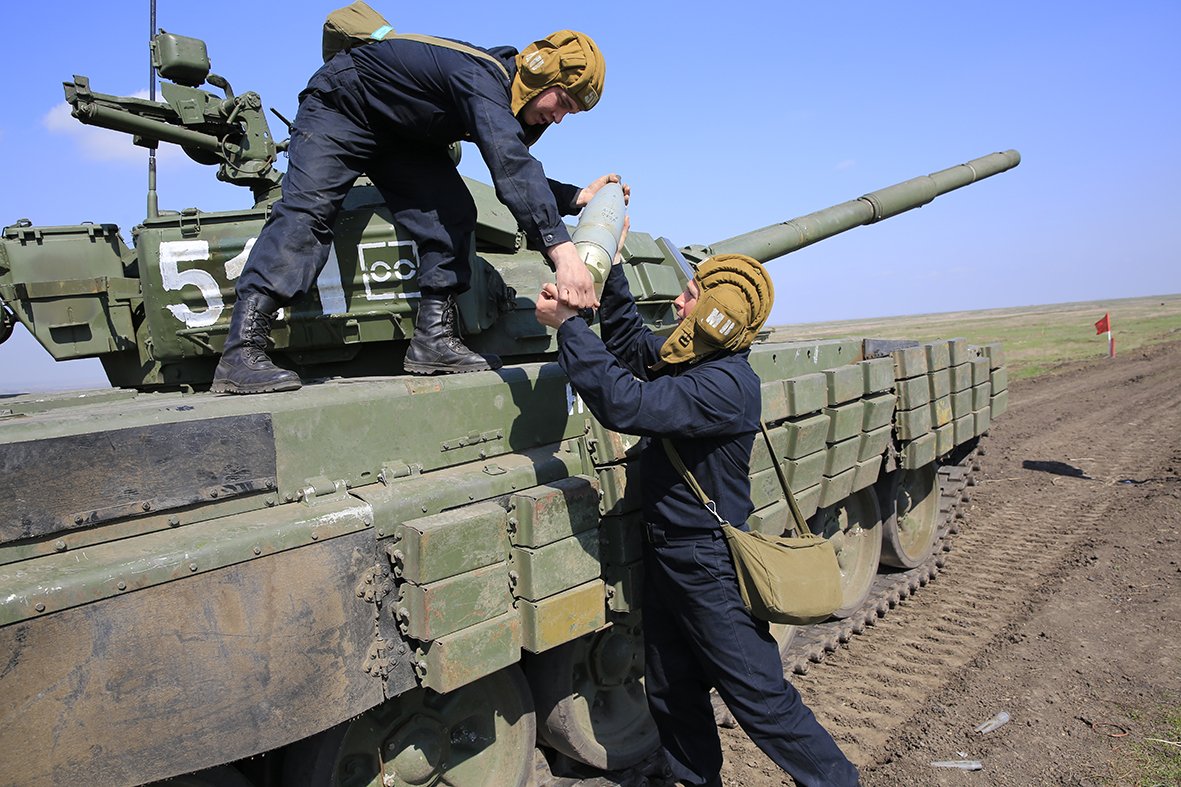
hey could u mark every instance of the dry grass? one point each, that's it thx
(1037, 339)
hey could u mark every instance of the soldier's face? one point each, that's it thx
(549, 106)
(686, 302)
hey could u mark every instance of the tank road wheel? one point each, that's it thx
(590, 698)
(479, 734)
(912, 517)
(854, 528)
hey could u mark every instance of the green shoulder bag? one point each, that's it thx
(782, 579)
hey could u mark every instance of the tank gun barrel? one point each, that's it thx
(777, 240)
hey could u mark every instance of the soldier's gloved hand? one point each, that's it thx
(587, 193)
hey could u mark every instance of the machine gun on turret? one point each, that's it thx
(230, 132)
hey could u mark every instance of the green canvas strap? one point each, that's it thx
(796, 514)
(675, 457)
(458, 47)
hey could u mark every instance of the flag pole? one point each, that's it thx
(1104, 326)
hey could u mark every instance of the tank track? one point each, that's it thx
(812, 644)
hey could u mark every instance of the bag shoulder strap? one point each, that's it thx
(801, 524)
(675, 457)
(357, 24)
(455, 45)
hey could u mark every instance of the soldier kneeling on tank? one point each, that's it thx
(391, 109)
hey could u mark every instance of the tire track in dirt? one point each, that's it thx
(1022, 527)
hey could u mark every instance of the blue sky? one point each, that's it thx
(721, 122)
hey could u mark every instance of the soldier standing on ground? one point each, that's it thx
(698, 389)
(390, 110)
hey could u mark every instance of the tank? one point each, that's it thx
(381, 578)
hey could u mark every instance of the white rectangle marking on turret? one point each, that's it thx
(383, 273)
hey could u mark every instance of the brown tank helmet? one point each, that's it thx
(734, 299)
(566, 59)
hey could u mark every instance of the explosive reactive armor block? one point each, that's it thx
(961, 377)
(844, 420)
(999, 402)
(873, 443)
(844, 383)
(941, 412)
(806, 394)
(911, 424)
(774, 398)
(835, 489)
(554, 511)
(805, 435)
(866, 473)
(913, 392)
(939, 383)
(841, 456)
(909, 362)
(938, 355)
(959, 351)
(945, 439)
(980, 371)
(878, 375)
(879, 411)
(919, 452)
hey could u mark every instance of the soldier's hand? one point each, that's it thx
(550, 311)
(576, 286)
(587, 193)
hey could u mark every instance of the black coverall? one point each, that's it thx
(697, 633)
(389, 110)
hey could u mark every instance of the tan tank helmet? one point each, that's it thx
(566, 59)
(734, 300)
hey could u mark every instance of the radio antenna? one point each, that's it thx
(153, 200)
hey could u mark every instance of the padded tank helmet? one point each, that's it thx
(567, 59)
(734, 299)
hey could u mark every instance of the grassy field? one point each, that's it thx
(1037, 339)
(1154, 759)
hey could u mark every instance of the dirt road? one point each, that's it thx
(1058, 604)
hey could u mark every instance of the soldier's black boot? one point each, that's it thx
(436, 347)
(245, 367)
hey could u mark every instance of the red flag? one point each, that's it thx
(1103, 326)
